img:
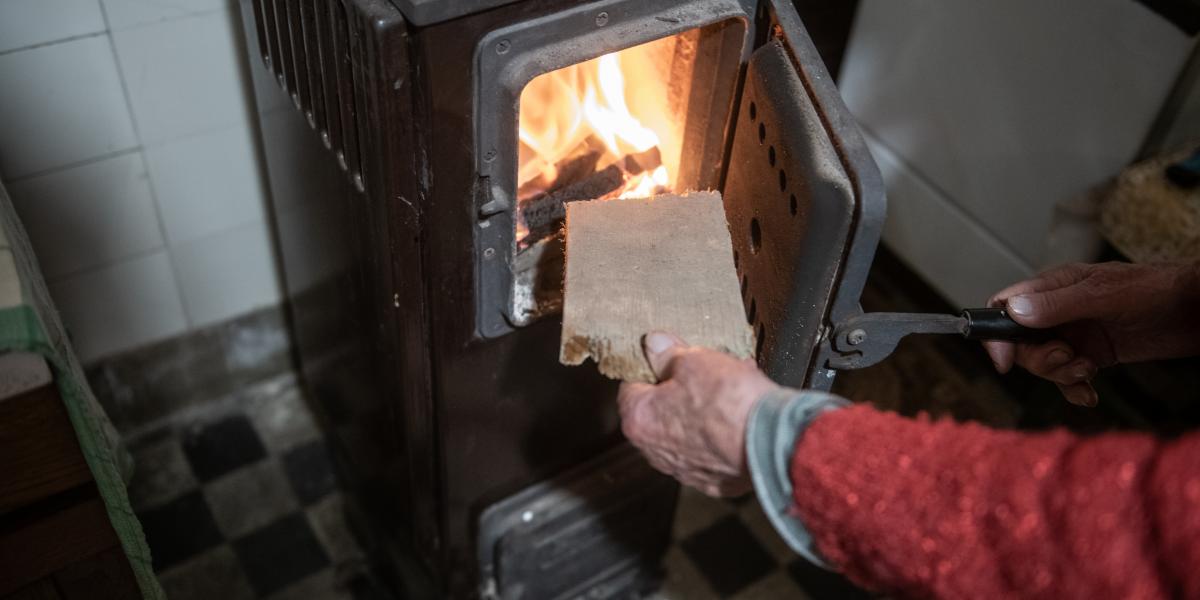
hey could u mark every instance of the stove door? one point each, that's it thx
(805, 204)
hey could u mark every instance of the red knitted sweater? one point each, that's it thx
(936, 509)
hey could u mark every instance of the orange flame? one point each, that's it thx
(562, 109)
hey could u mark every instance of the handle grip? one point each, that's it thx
(995, 324)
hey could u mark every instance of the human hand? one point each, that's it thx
(692, 424)
(1102, 315)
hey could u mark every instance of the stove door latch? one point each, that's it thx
(868, 338)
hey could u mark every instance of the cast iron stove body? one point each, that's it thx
(428, 334)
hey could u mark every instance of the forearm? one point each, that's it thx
(939, 509)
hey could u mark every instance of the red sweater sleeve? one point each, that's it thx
(937, 509)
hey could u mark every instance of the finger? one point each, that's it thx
(1076, 371)
(660, 465)
(661, 348)
(1081, 394)
(726, 489)
(1051, 308)
(1003, 354)
(631, 401)
(631, 394)
(1045, 281)
(1044, 359)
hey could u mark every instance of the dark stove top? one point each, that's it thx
(428, 12)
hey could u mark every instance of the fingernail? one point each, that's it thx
(1058, 358)
(1081, 373)
(1020, 305)
(657, 343)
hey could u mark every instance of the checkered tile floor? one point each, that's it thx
(728, 549)
(239, 501)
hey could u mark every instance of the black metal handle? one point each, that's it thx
(995, 324)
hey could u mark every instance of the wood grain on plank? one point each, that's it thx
(35, 548)
(646, 264)
(38, 445)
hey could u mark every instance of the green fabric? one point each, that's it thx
(32, 325)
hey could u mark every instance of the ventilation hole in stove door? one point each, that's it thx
(771, 156)
(762, 133)
(782, 180)
(753, 111)
(793, 205)
(753, 312)
(745, 285)
(758, 343)
(735, 259)
(755, 236)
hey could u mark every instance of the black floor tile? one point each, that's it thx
(280, 554)
(728, 555)
(220, 447)
(310, 471)
(822, 583)
(179, 529)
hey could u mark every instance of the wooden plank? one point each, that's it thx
(638, 265)
(103, 576)
(36, 547)
(38, 590)
(41, 454)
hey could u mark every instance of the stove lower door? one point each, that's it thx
(597, 531)
(805, 204)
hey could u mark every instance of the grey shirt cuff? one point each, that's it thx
(777, 421)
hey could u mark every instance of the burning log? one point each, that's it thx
(576, 165)
(543, 215)
(643, 162)
(643, 264)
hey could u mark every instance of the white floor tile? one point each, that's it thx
(206, 183)
(184, 75)
(60, 104)
(88, 216)
(227, 274)
(121, 306)
(29, 22)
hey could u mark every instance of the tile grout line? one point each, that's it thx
(188, 320)
(10, 181)
(73, 38)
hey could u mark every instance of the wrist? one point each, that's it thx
(776, 425)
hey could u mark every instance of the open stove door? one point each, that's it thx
(804, 200)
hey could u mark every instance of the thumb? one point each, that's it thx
(661, 348)
(1051, 308)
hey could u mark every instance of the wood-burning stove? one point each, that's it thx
(423, 312)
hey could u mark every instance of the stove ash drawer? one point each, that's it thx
(596, 532)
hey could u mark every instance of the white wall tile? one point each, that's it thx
(183, 76)
(130, 13)
(1011, 107)
(120, 307)
(60, 104)
(227, 274)
(28, 22)
(88, 216)
(206, 183)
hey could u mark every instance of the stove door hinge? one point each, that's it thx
(846, 339)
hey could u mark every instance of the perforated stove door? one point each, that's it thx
(804, 202)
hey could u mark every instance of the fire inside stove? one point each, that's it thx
(606, 128)
(612, 127)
